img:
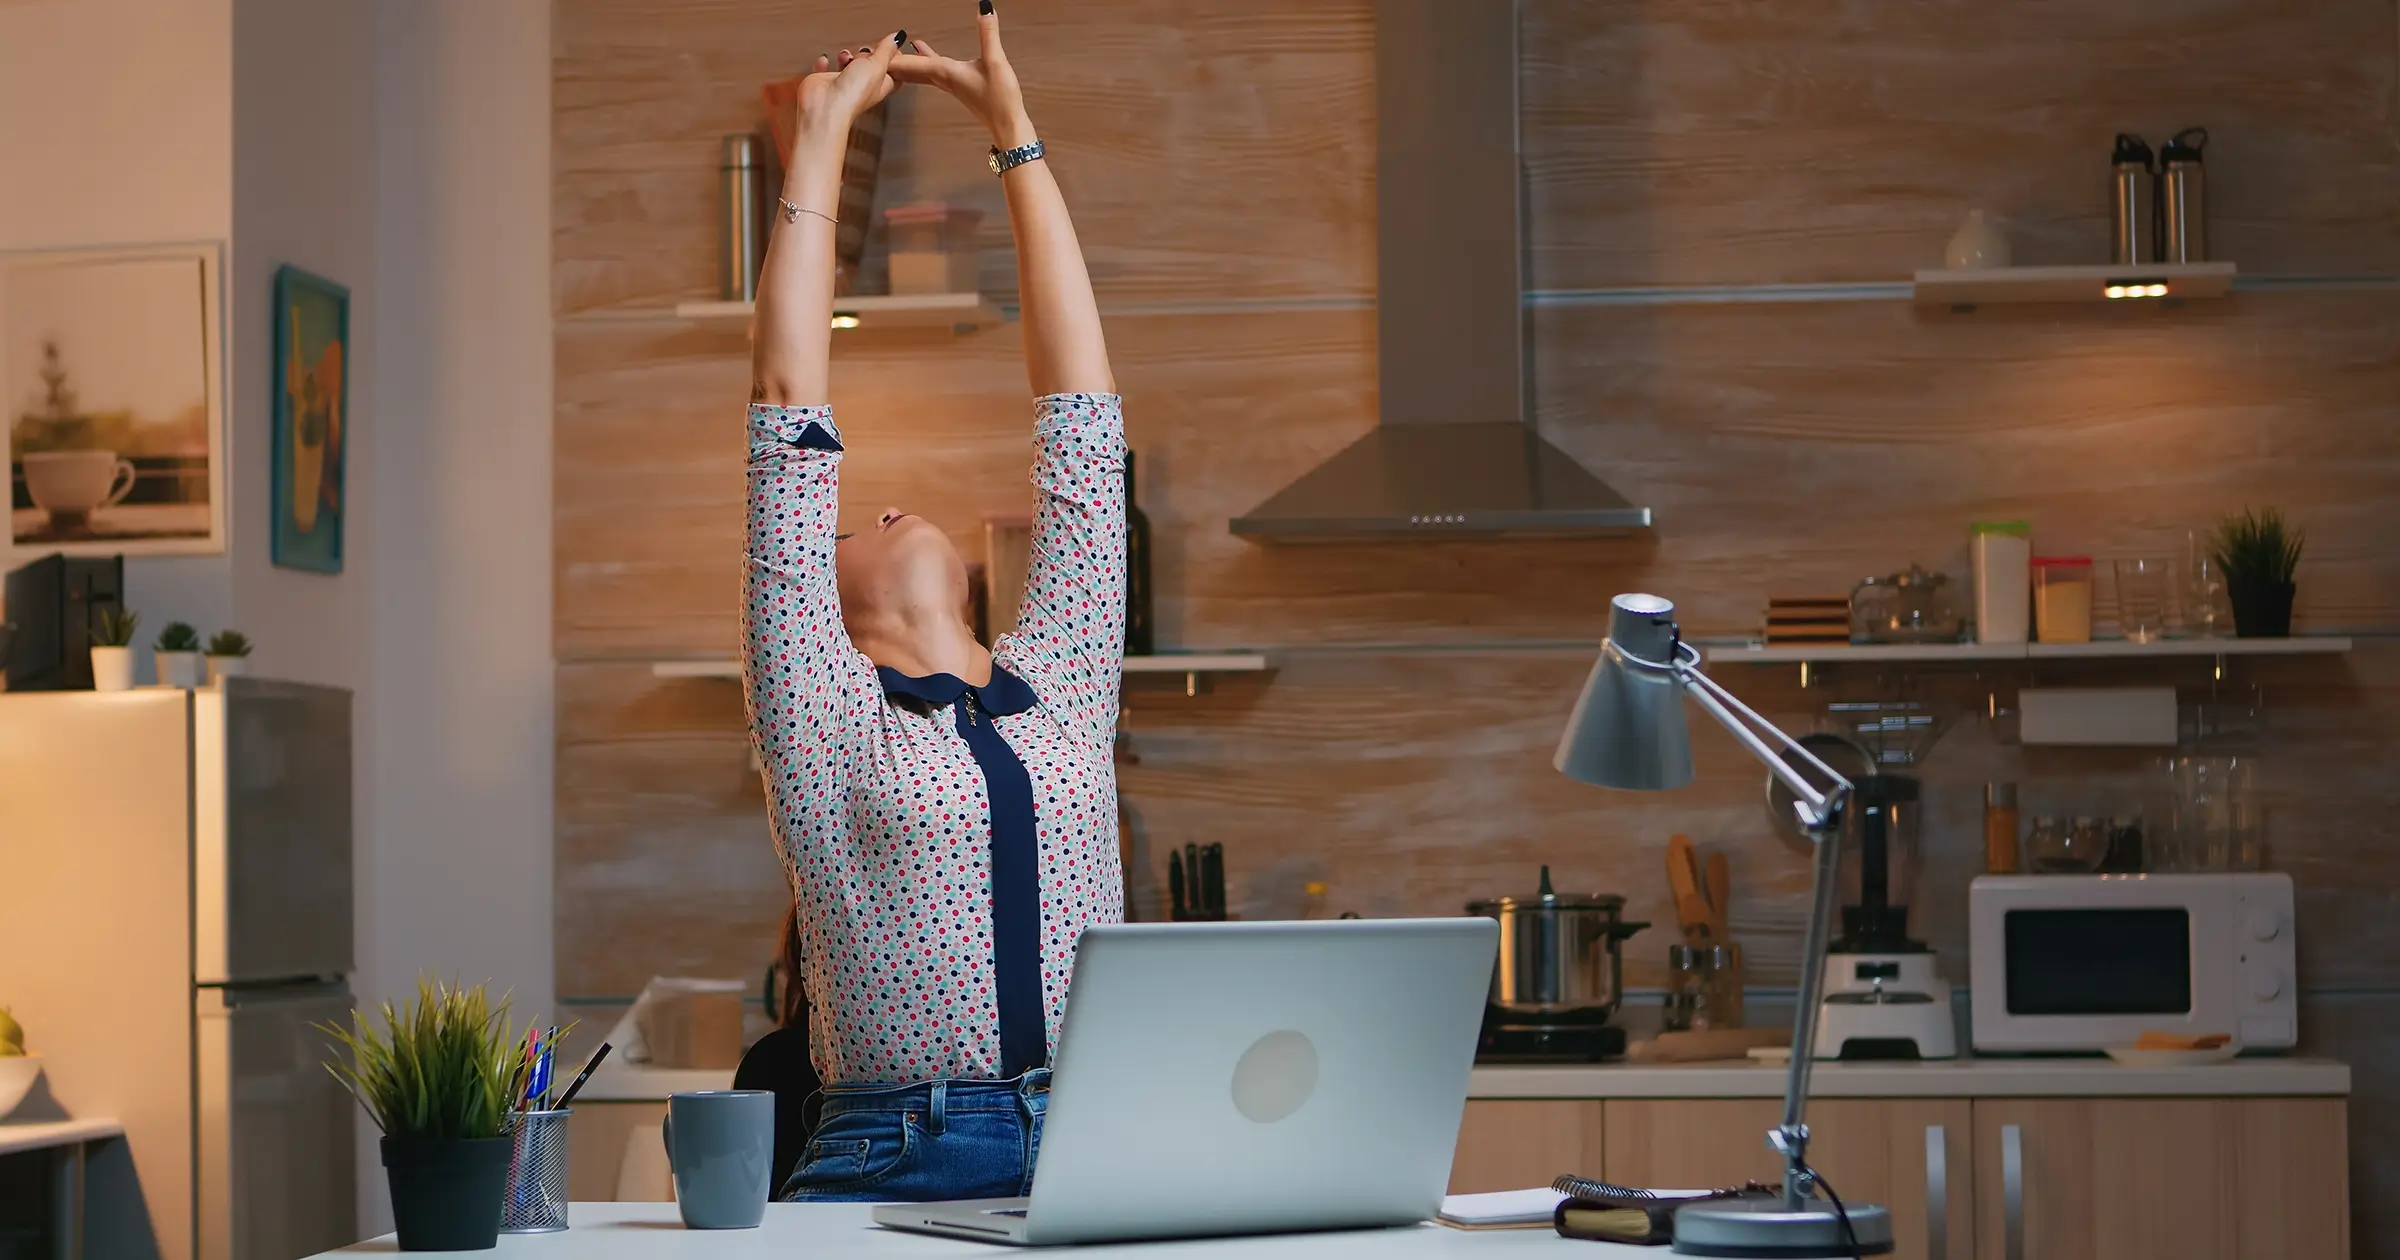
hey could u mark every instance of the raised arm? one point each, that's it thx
(1064, 350)
(792, 335)
(804, 682)
(1071, 624)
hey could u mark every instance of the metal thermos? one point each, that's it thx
(2133, 187)
(2183, 196)
(743, 173)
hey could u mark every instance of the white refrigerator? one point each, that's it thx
(175, 916)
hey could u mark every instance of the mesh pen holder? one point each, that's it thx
(536, 1199)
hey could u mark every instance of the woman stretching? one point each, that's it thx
(947, 813)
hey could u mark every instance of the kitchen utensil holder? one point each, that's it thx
(535, 1201)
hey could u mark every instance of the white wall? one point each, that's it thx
(400, 147)
(116, 128)
(460, 736)
(303, 193)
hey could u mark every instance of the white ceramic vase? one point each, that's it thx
(221, 668)
(112, 669)
(1978, 244)
(179, 669)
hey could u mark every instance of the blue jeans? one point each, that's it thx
(923, 1143)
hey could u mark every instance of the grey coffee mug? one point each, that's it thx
(721, 1144)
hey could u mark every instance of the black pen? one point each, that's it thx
(582, 1076)
(1175, 907)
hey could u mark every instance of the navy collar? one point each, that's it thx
(1004, 694)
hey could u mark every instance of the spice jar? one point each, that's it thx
(1704, 988)
(2062, 599)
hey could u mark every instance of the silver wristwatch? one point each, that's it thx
(1005, 160)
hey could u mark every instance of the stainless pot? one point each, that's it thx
(1559, 953)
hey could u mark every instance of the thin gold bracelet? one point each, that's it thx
(792, 213)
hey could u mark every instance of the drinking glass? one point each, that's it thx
(2142, 594)
(2203, 592)
(2213, 814)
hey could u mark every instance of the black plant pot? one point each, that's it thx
(2263, 611)
(446, 1191)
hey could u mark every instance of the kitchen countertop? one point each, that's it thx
(641, 1231)
(38, 1135)
(2285, 1076)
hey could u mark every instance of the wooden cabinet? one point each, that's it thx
(1909, 1155)
(1982, 1179)
(1516, 1144)
(2194, 1178)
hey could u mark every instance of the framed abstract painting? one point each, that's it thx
(312, 346)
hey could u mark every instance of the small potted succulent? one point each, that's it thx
(178, 649)
(2259, 555)
(441, 1078)
(18, 1070)
(112, 648)
(228, 656)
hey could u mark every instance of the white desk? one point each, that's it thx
(66, 1140)
(652, 1231)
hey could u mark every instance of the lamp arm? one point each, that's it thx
(1746, 725)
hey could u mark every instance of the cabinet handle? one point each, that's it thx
(2012, 1192)
(1937, 1193)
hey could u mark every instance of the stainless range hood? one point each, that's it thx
(1454, 454)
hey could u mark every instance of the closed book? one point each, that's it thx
(1596, 1211)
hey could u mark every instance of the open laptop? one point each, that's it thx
(1241, 1078)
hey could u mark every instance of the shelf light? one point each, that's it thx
(2134, 288)
(845, 320)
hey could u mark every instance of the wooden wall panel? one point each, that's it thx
(1775, 465)
(1727, 142)
(1411, 781)
(1210, 150)
(1795, 450)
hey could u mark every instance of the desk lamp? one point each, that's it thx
(1628, 732)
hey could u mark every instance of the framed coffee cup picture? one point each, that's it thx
(110, 376)
(312, 345)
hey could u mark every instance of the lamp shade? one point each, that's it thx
(1628, 729)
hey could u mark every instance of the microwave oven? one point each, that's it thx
(2079, 963)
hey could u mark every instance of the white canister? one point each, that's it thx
(2002, 555)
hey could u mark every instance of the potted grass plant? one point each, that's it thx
(2259, 555)
(178, 650)
(112, 648)
(228, 655)
(441, 1078)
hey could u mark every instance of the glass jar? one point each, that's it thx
(2062, 599)
(2068, 846)
(1704, 988)
(1911, 607)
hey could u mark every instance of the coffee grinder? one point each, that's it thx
(1884, 998)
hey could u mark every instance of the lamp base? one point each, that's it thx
(1762, 1228)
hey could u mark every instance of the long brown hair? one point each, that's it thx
(791, 997)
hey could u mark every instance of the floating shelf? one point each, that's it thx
(2163, 649)
(958, 312)
(1189, 664)
(2133, 284)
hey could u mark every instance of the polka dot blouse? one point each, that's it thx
(879, 811)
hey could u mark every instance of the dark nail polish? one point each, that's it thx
(984, 7)
(900, 39)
